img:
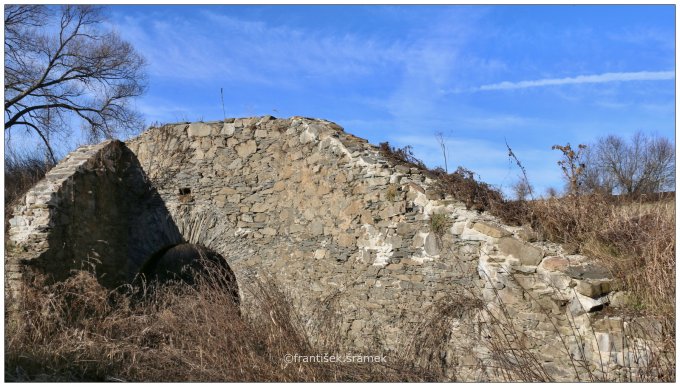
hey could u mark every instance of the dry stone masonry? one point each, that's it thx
(338, 226)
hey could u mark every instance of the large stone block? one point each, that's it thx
(593, 288)
(228, 129)
(490, 230)
(247, 148)
(432, 244)
(199, 129)
(524, 252)
(405, 229)
(555, 263)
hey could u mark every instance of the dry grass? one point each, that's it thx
(79, 331)
(635, 240)
(76, 331)
(633, 237)
(516, 352)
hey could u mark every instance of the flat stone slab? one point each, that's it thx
(555, 264)
(587, 272)
(527, 254)
(490, 230)
(199, 129)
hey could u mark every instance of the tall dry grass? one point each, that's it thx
(633, 238)
(77, 330)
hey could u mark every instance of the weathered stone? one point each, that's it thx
(394, 266)
(593, 288)
(316, 228)
(582, 304)
(527, 254)
(228, 129)
(235, 165)
(346, 240)
(490, 230)
(308, 135)
(621, 299)
(247, 148)
(458, 228)
(405, 229)
(525, 269)
(608, 324)
(268, 231)
(555, 264)
(527, 234)
(432, 244)
(226, 191)
(199, 129)
(302, 201)
(260, 207)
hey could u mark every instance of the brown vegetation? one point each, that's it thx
(632, 235)
(79, 331)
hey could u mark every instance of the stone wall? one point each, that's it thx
(96, 209)
(339, 226)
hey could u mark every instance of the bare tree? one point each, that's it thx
(60, 64)
(643, 165)
(593, 179)
(551, 192)
(522, 189)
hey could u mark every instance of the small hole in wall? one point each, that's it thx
(184, 191)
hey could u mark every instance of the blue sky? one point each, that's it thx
(534, 75)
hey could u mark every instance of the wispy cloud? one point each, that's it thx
(491, 121)
(581, 79)
(254, 52)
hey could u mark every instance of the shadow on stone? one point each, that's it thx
(186, 262)
(106, 217)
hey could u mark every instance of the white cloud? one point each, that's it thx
(599, 78)
(502, 121)
(211, 45)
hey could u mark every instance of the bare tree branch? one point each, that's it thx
(80, 72)
(643, 165)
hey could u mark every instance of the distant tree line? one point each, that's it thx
(612, 165)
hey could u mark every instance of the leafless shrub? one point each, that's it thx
(644, 164)
(462, 185)
(522, 190)
(401, 155)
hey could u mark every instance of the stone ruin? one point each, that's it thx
(333, 222)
